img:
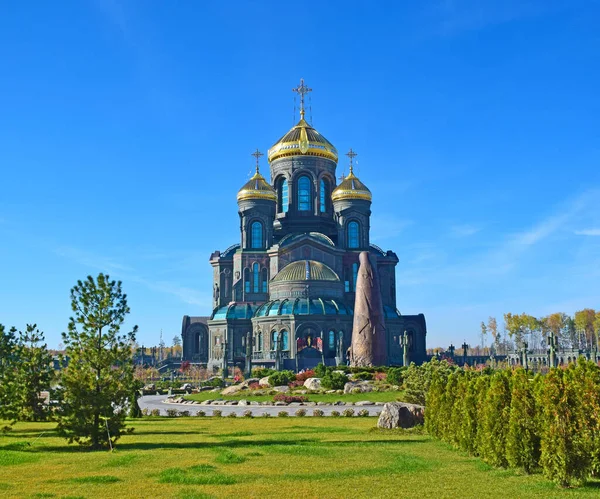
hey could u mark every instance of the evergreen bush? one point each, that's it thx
(334, 381)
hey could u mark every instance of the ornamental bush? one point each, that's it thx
(172, 413)
(348, 413)
(334, 381)
(217, 413)
(301, 413)
(335, 414)
(494, 420)
(282, 378)
(288, 399)
(247, 414)
(318, 413)
(363, 413)
(283, 414)
(200, 414)
(320, 370)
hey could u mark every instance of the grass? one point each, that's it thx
(317, 397)
(189, 458)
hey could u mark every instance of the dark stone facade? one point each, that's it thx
(306, 317)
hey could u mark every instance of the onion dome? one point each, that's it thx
(351, 188)
(257, 188)
(303, 140)
(306, 270)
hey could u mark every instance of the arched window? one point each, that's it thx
(331, 341)
(354, 275)
(264, 281)
(259, 342)
(284, 202)
(257, 235)
(353, 232)
(247, 280)
(303, 194)
(285, 340)
(256, 277)
(323, 189)
(274, 340)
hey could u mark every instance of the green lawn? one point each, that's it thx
(318, 397)
(262, 457)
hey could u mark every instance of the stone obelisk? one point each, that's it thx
(369, 346)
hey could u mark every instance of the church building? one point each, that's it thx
(286, 290)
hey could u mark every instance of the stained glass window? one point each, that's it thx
(323, 196)
(331, 340)
(264, 281)
(353, 241)
(246, 280)
(273, 340)
(285, 341)
(285, 196)
(304, 194)
(257, 235)
(354, 275)
(256, 277)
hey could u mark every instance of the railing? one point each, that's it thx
(269, 355)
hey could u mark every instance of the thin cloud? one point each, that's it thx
(464, 230)
(588, 232)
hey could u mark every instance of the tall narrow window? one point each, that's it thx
(259, 343)
(264, 281)
(353, 239)
(285, 340)
(354, 275)
(257, 235)
(256, 277)
(304, 194)
(285, 196)
(322, 196)
(331, 341)
(247, 280)
(274, 340)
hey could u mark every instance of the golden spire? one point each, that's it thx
(302, 89)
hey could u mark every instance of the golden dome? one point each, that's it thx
(306, 270)
(257, 188)
(303, 140)
(351, 188)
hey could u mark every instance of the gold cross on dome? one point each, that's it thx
(257, 154)
(302, 89)
(351, 154)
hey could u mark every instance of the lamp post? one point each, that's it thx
(224, 365)
(248, 354)
(406, 342)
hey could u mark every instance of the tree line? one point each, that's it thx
(90, 396)
(513, 420)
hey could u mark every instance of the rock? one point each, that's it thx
(379, 403)
(254, 402)
(313, 384)
(264, 382)
(301, 392)
(231, 402)
(279, 402)
(233, 389)
(358, 387)
(400, 415)
(246, 383)
(322, 403)
(215, 390)
(330, 391)
(207, 402)
(243, 402)
(310, 404)
(364, 402)
(218, 402)
(282, 389)
(338, 402)
(295, 403)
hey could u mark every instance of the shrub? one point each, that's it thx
(200, 414)
(254, 386)
(288, 399)
(266, 415)
(145, 412)
(283, 414)
(184, 414)
(380, 376)
(320, 371)
(215, 383)
(262, 372)
(395, 376)
(305, 375)
(301, 413)
(335, 414)
(494, 420)
(318, 413)
(232, 415)
(348, 413)
(217, 413)
(155, 412)
(334, 381)
(364, 375)
(172, 413)
(247, 414)
(363, 413)
(282, 378)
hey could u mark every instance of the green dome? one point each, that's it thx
(306, 270)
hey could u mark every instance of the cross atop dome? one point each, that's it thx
(302, 90)
(351, 154)
(257, 154)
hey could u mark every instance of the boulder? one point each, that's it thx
(400, 415)
(264, 382)
(313, 384)
(233, 389)
(280, 402)
(358, 387)
(364, 402)
(243, 402)
(282, 389)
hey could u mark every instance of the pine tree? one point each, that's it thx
(482, 385)
(523, 439)
(467, 438)
(34, 374)
(98, 381)
(8, 382)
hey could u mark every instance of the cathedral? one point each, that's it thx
(284, 294)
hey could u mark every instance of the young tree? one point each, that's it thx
(34, 374)
(492, 327)
(8, 382)
(494, 419)
(483, 336)
(584, 324)
(98, 381)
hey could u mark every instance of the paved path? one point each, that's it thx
(151, 402)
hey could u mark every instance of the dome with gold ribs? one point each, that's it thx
(351, 188)
(306, 270)
(257, 188)
(303, 140)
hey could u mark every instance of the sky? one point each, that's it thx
(126, 129)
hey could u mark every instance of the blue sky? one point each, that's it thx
(125, 127)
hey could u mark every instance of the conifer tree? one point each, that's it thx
(523, 439)
(98, 380)
(8, 382)
(482, 385)
(33, 375)
(494, 420)
(467, 431)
